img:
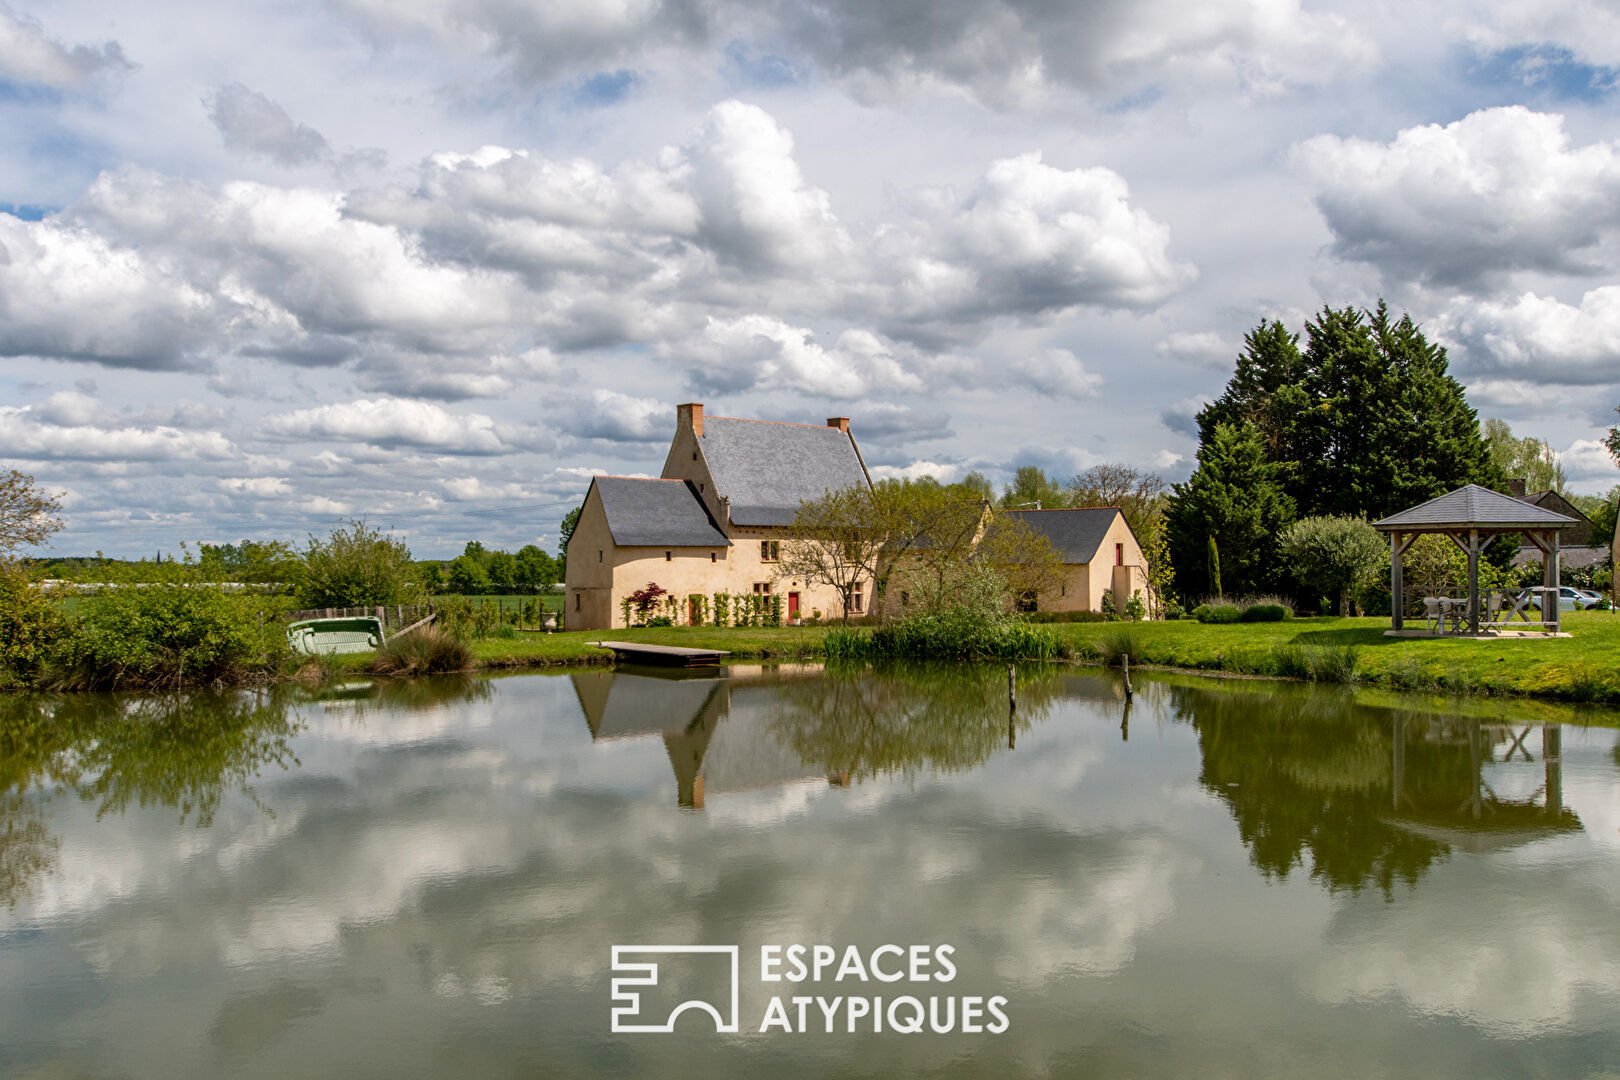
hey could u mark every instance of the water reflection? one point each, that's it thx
(1364, 795)
(186, 752)
(749, 727)
(448, 863)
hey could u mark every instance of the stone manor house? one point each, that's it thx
(714, 522)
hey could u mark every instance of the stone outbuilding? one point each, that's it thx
(1100, 555)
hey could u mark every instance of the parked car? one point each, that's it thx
(1572, 599)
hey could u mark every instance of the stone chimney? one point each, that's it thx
(690, 415)
(1516, 488)
(839, 422)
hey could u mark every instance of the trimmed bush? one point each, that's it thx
(1266, 613)
(1065, 617)
(1217, 613)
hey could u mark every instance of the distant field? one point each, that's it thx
(509, 601)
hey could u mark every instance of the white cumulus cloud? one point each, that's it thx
(1498, 191)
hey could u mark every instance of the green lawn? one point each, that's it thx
(1585, 666)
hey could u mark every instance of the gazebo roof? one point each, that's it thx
(1474, 507)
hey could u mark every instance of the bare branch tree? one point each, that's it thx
(27, 514)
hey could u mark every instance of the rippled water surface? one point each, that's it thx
(428, 879)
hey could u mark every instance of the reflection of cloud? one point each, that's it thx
(1515, 969)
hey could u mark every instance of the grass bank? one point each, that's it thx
(1583, 667)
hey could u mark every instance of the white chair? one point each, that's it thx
(1432, 616)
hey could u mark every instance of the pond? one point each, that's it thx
(428, 879)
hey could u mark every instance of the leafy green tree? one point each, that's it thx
(979, 484)
(466, 575)
(536, 571)
(1529, 459)
(565, 531)
(1031, 486)
(1214, 561)
(1334, 554)
(261, 561)
(1613, 441)
(358, 566)
(1235, 496)
(503, 571)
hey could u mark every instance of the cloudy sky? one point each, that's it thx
(267, 266)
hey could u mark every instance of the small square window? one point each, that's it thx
(714, 557)
(668, 557)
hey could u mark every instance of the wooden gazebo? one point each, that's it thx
(1471, 516)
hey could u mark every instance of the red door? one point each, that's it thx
(793, 606)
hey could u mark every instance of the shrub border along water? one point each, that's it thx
(942, 637)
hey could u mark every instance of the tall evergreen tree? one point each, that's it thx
(1384, 426)
(1235, 498)
(1264, 390)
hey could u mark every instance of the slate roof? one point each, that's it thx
(767, 469)
(1075, 533)
(1475, 507)
(1581, 534)
(657, 513)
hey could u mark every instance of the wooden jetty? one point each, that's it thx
(635, 652)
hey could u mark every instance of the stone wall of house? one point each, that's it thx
(601, 574)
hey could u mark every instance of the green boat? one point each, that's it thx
(327, 637)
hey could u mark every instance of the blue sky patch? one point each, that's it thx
(1545, 70)
(26, 211)
(761, 69)
(606, 88)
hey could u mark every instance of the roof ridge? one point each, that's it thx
(617, 476)
(1052, 509)
(784, 423)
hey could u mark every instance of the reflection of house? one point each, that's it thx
(1577, 546)
(713, 523)
(716, 729)
(1099, 552)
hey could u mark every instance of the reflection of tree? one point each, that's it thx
(903, 719)
(27, 850)
(1367, 795)
(1309, 775)
(181, 751)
